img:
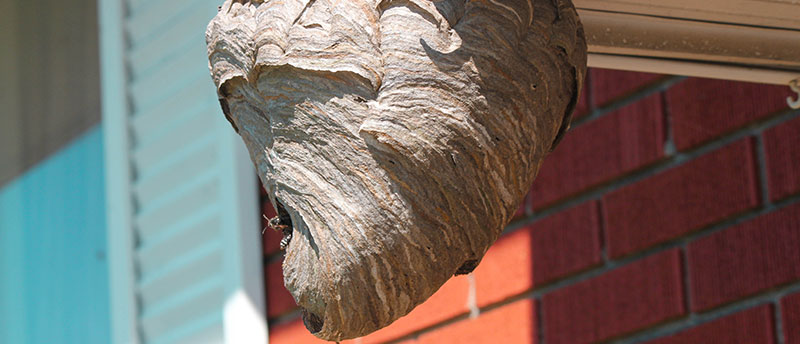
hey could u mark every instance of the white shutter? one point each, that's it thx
(182, 195)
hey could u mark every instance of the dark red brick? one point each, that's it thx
(521, 210)
(754, 325)
(514, 323)
(271, 238)
(782, 145)
(702, 109)
(600, 150)
(745, 259)
(279, 300)
(566, 242)
(582, 108)
(790, 308)
(609, 84)
(696, 194)
(629, 298)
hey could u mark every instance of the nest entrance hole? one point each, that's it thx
(282, 223)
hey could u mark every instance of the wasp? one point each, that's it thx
(281, 223)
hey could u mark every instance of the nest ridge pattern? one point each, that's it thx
(396, 137)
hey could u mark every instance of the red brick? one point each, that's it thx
(782, 145)
(702, 109)
(745, 259)
(448, 302)
(602, 149)
(514, 323)
(790, 308)
(271, 238)
(556, 246)
(609, 84)
(293, 332)
(566, 242)
(629, 298)
(582, 108)
(754, 325)
(520, 213)
(506, 270)
(279, 300)
(696, 194)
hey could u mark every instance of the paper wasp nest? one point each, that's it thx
(397, 138)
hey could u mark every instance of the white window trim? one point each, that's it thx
(119, 209)
(244, 313)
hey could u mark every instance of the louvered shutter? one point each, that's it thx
(182, 195)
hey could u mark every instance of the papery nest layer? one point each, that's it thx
(397, 138)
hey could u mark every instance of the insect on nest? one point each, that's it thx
(281, 223)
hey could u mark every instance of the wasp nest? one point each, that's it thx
(397, 138)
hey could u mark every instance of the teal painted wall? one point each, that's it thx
(53, 270)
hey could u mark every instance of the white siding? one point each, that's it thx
(185, 237)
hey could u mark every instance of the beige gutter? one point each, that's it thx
(781, 14)
(693, 68)
(687, 47)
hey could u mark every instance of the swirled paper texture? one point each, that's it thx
(397, 137)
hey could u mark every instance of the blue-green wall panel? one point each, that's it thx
(53, 271)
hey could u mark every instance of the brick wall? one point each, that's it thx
(669, 214)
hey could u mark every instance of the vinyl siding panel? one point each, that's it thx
(186, 182)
